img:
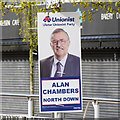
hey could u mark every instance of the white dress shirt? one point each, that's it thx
(54, 66)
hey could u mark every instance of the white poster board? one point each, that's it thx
(63, 93)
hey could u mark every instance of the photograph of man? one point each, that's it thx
(62, 63)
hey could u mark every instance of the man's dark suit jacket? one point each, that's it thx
(72, 66)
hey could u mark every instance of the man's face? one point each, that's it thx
(60, 44)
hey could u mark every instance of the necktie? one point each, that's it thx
(58, 71)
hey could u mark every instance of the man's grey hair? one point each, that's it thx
(60, 30)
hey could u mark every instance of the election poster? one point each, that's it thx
(59, 61)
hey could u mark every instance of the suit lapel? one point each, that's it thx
(68, 69)
(49, 67)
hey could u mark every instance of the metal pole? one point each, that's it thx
(96, 109)
(55, 115)
(86, 110)
(30, 107)
(58, 115)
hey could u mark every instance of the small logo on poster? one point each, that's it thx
(47, 18)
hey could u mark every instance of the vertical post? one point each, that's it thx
(58, 115)
(1, 79)
(96, 109)
(30, 107)
(31, 53)
(55, 115)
